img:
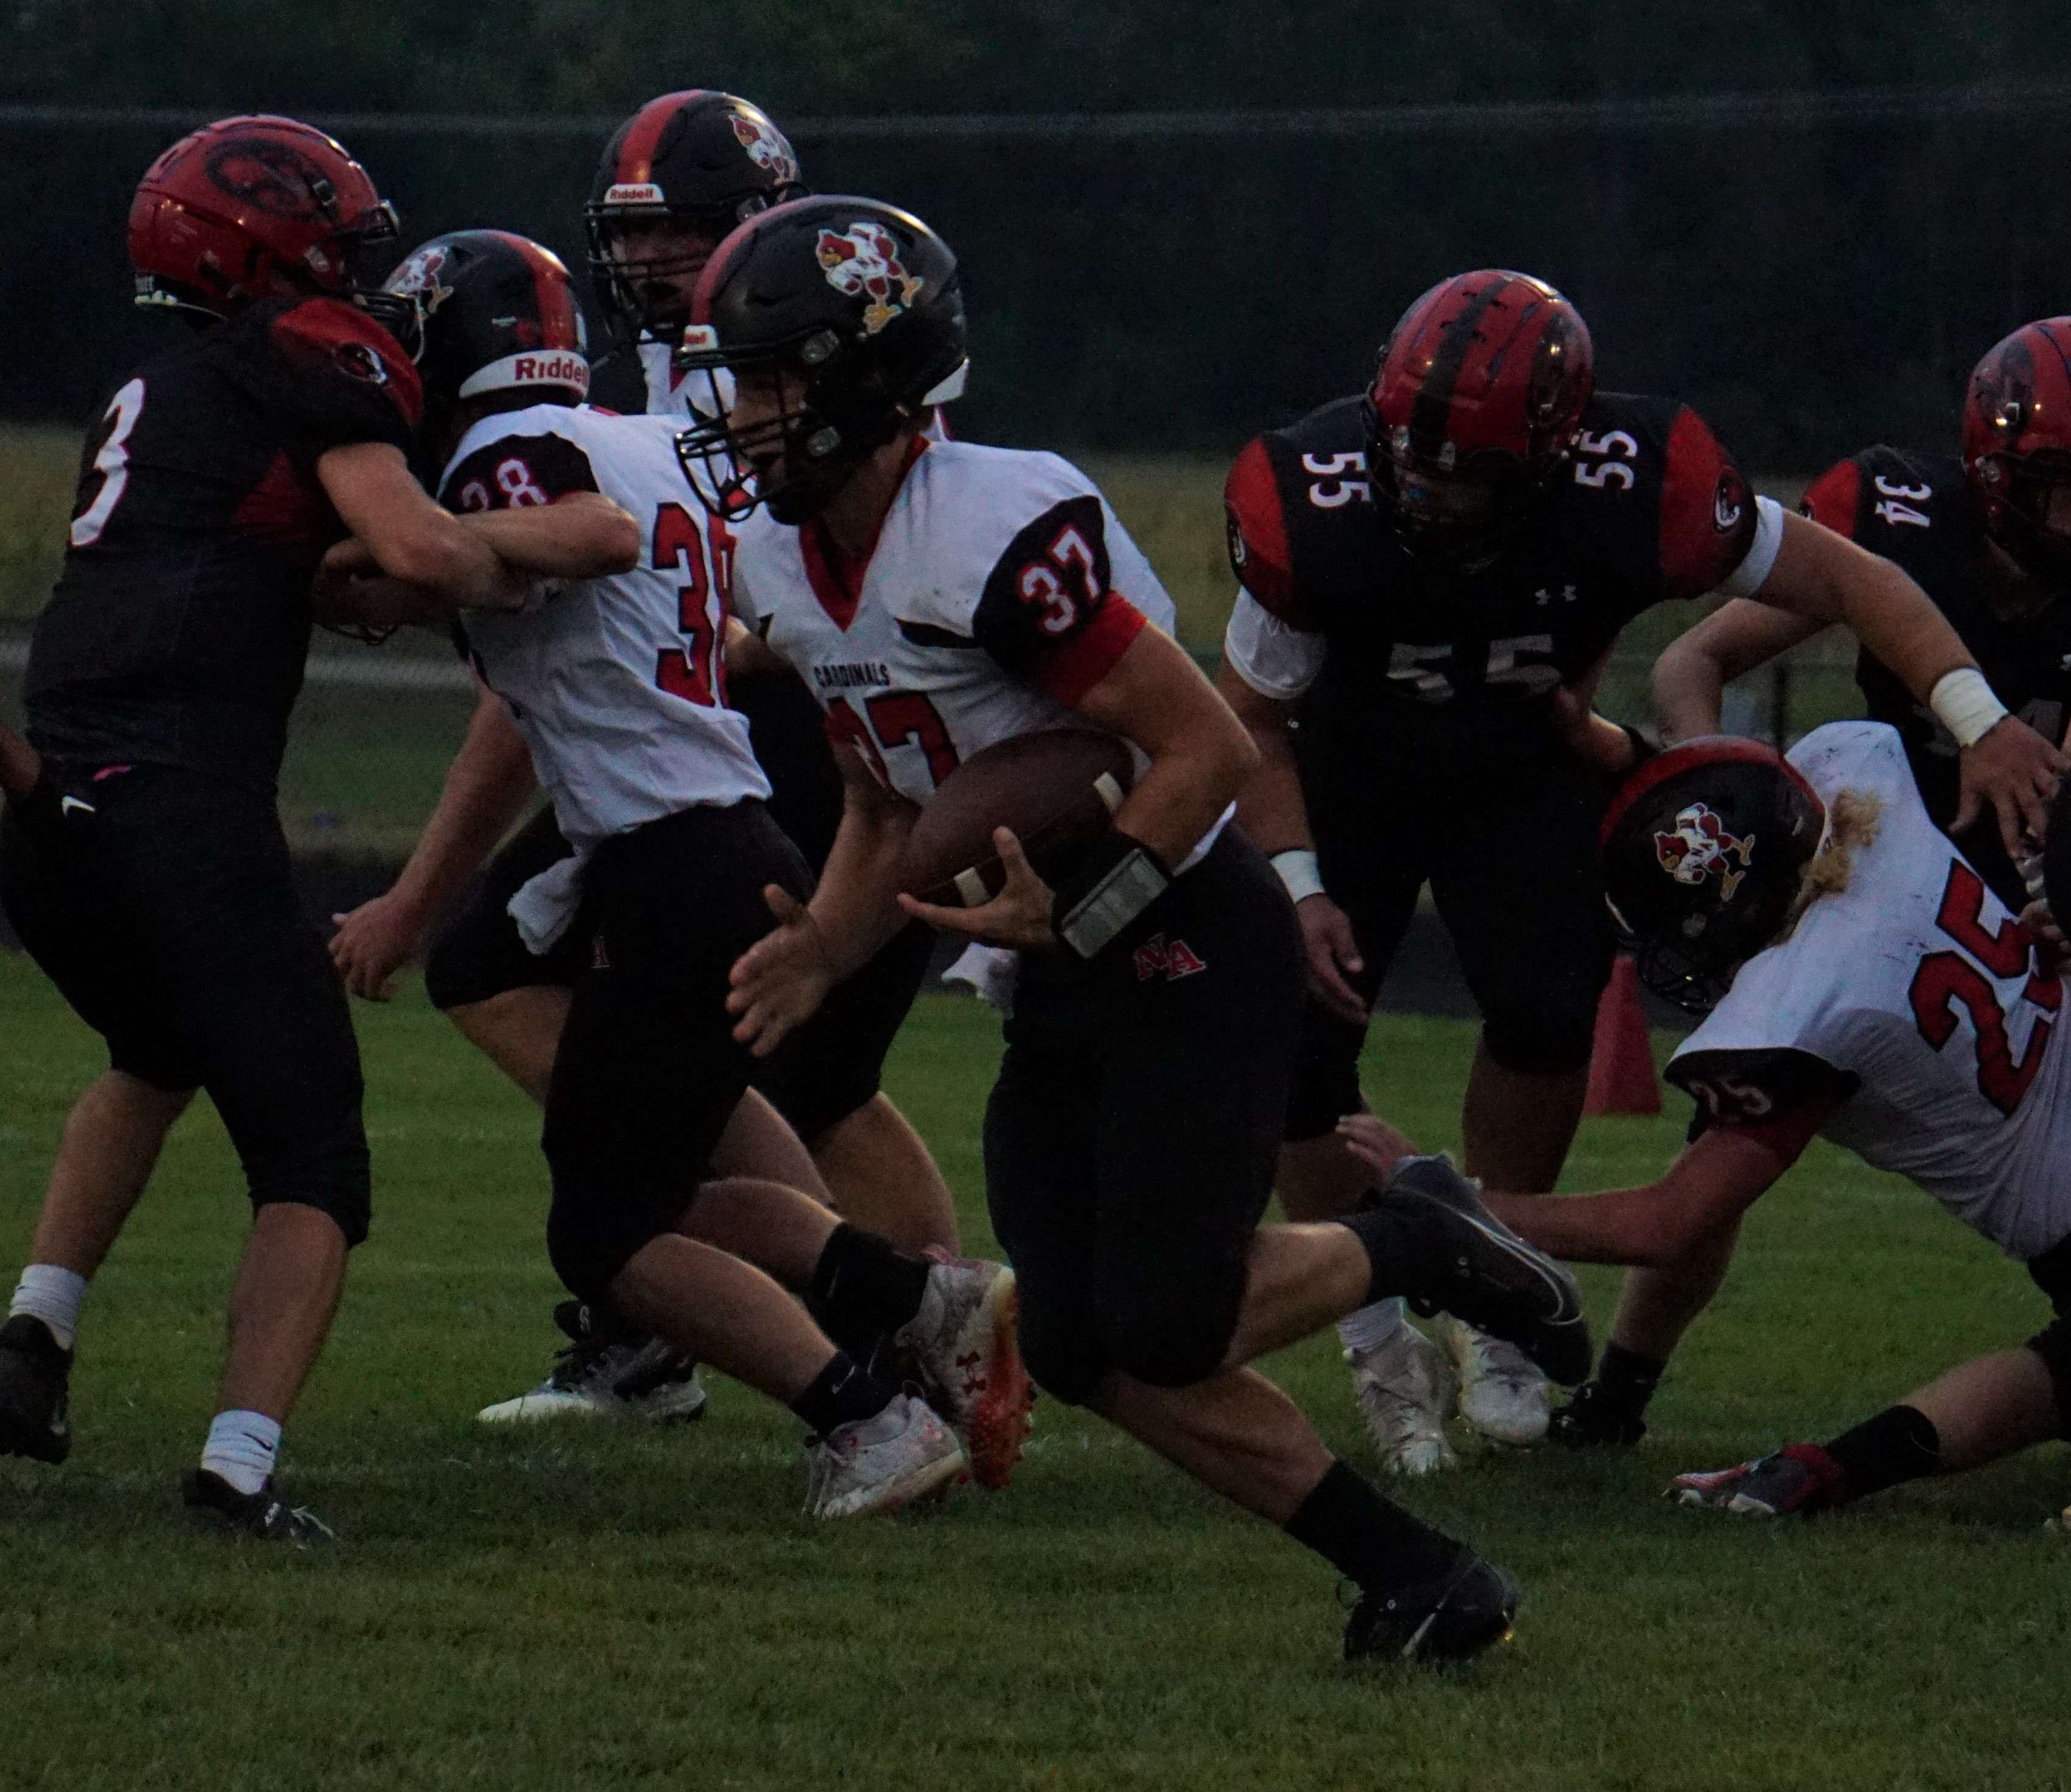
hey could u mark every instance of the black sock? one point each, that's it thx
(1398, 1254)
(1367, 1538)
(841, 1394)
(1625, 1381)
(1900, 1444)
(863, 1287)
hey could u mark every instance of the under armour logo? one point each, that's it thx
(1542, 597)
(1155, 958)
(599, 958)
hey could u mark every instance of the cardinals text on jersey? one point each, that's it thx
(1913, 993)
(1002, 589)
(616, 684)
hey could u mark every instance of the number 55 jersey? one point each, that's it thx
(1913, 994)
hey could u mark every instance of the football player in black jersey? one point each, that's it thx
(150, 876)
(1986, 532)
(1433, 574)
(674, 179)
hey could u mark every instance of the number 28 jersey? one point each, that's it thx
(615, 682)
(1912, 995)
(1000, 590)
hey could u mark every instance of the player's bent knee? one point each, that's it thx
(2053, 1344)
(337, 1184)
(588, 1253)
(1178, 1339)
(1540, 1044)
(1062, 1357)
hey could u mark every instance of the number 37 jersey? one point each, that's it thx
(615, 682)
(1914, 995)
(1000, 590)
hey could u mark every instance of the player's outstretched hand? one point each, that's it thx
(2012, 769)
(373, 942)
(1332, 957)
(1019, 916)
(780, 979)
(1377, 1145)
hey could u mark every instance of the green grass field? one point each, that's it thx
(588, 1607)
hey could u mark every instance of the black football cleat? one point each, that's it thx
(220, 1507)
(36, 1408)
(1483, 1273)
(1471, 1607)
(1590, 1421)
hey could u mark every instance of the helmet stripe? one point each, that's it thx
(643, 135)
(1430, 417)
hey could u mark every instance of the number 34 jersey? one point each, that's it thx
(1000, 590)
(1914, 994)
(615, 682)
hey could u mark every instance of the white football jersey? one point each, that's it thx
(1002, 589)
(1915, 989)
(615, 682)
(673, 394)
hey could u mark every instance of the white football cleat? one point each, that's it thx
(962, 1349)
(878, 1464)
(598, 1377)
(1407, 1391)
(1503, 1395)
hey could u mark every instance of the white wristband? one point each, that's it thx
(1964, 704)
(1298, 871)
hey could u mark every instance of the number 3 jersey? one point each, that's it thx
(1404, 655)
(1914, 994)
(615, 682)
(1000, 590)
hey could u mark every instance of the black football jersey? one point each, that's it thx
(178, 627)
(1458, 664)
(1916, 510)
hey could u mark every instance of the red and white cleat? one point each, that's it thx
(1799, 1477)
(962, 1349)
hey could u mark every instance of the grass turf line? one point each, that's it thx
(583, 1605)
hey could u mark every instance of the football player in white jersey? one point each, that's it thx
(1864, 985)
(938, 597)
(674, 179)
(613, 680)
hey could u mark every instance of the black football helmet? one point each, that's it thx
(1704, 853)
(499, 313)
(706, 160)
(852, 308)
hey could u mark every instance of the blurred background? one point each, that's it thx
(1178, 226)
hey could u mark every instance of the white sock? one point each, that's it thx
(241, 1447)
(53, 1295)
(1371, 1326)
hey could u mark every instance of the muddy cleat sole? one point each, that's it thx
(219, 1507)
(1799, 1477)
(903, 1454)
(1484, 1274)
(1471, 1608)
(35, 1405)
(1587, 1423)
(963, 1347)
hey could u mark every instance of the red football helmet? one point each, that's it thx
(255, 207)
(1479, 392)
(2017, 445)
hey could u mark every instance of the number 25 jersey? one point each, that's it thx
(1000, 590)
(1912, 995)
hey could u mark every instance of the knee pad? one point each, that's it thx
(336, 1181)
(2053, 1344)
(1178, 1334)
(1541, 1042)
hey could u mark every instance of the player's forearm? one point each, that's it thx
(1689, 689)
(856, 903)
(584, 536)
(21, 765)
(1184, 795)
(1271, 811)
(1823, 577)
(486, 787)
(1627, 1225)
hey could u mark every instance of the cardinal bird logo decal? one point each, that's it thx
(1700, 846)
(863, 261)
(766, 148)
